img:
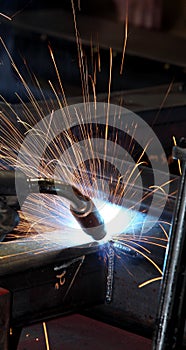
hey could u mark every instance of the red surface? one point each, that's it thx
(78, 332)
(3, 291)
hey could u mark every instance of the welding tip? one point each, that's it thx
(89, 218)
(81, 206)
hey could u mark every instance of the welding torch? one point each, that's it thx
(81, 206)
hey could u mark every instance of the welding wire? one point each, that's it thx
(170, 321)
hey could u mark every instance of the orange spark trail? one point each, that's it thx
(145, 256)
(107, 114)
(163, 102)
(46, 336)
(164, 231)
(125, 38)
(179, 163)
(149, 281)
(5, 16)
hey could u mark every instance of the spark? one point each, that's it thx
(110, 78)
(5, 16)
(94, 90)
(80, 57)
(159, 188)
(92, 53)
(74, 277)
(163, 101)
(98, 56)
(58, 75)
(145, 239)
(22, 9)
(149, 242)
(46, 336)
(150, 281)
(156, 188)
(143, 254)
(107, 114)
(35, 251)
(125, 38)
(49, 214)
(179, 162)
(164, 231)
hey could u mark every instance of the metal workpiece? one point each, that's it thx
(27, 269)
(46, 280)
(51, 284)
(131, 308)
(171, 313)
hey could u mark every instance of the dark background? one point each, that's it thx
(30, 46)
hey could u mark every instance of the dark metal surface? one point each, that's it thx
(133, 308)
(9, 218)
(171, 311)
(167, 47)
(149, 103)
(31, 261)
(30, 31)
(46, 280)
(4, 318)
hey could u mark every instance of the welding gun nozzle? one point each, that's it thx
(88, 216)
(81, 206)
(90, 221)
